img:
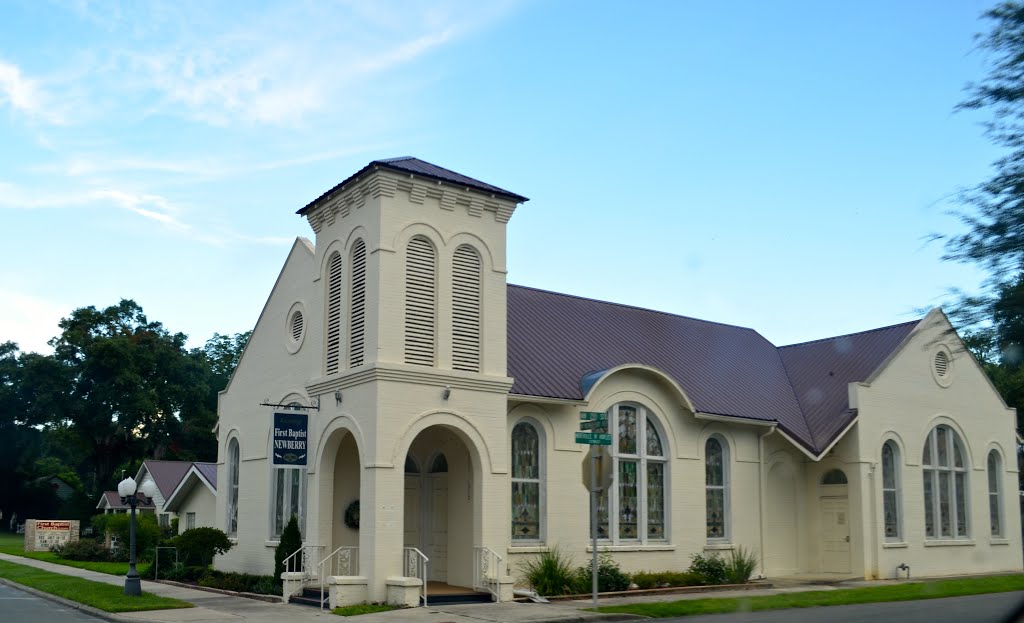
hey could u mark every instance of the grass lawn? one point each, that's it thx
(107, 597)
(351, 611)
(14, 544)
(870, 594)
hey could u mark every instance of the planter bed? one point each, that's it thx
(669, 590)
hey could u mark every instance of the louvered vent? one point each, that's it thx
(941, 364)
(357, 317)
(297, 325)
(333, 358)
(420, 302)
(466, 309)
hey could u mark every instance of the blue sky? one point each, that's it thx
(774, 165)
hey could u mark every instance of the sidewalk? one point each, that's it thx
(217, 608)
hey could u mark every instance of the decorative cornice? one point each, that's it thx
(386, 183)
(409, 374)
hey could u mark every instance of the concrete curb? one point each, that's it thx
(594, 617)
(271, 599)
(74, 605)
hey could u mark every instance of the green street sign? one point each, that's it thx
(594, 439)
(594, 424)
(594, 415)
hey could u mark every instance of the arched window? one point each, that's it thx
(995, 498)
(526, 479)
(634, 509)
(357, 306)
(716, 484)
(333, 357)
(891, 497)
(466, 309)
(945, 485)
(232, 487)
(420, 301)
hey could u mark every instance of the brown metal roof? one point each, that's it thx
(559, 345)
(415, 166)
(113, 500)
(209, 471)
(167, 474)
(820, 372)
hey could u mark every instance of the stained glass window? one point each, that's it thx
(994, 498)
(233, 487)
(715, 487)
(526, 493)
(890, 492)
(627, 430)
(629, 504)
(945, 485)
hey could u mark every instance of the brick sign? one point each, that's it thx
(42, 535)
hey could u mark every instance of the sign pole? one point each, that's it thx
(593, 519)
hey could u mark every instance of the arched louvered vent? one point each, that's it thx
(333, 359)
(466, 309)
(297, 325)
(420, 301)
(941, 364)
(357, 318)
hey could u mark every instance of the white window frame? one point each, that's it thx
(896, 489)
(931, 469)
(641, 458)
(725, 488)
(234, 466)
(190, 520)
(995, 490)
(540, 480)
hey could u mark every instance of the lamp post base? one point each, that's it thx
(132, 586)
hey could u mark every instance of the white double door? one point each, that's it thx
(426, 520)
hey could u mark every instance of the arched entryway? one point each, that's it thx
(339, 496)
(438, 504)
(834, 513)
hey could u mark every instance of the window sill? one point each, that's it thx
(719, 547)
(948, 542)
(634, 547)
(233, 539)
(271, 543)
(895, 545)
(998, 541)
(529, 549)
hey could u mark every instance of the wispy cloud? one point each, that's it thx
(24, 95)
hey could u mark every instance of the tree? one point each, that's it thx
(198, 546)
(291, 542)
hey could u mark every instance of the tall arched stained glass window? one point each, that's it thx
(995, 502)
(526, 483)
(944, 472)
(891, 492)
(716, 482)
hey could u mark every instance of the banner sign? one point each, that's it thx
(291, 434)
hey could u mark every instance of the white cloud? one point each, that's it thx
(24, 95)
(29, 320)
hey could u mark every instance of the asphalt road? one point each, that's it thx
(18, 606)
(994, 608)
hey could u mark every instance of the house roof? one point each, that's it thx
(558, 344)
(415, 166)
(198, 474)
(110, 499)
(166, 474)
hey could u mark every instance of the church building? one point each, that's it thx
(418, 415)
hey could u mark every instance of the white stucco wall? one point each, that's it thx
(203, 503)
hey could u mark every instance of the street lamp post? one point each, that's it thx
(126, 489)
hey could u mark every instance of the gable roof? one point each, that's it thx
(558, 343)
(166, 474)
(110, 499)
(204, 474)
(415, 166)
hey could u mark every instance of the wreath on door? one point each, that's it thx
(352, 515)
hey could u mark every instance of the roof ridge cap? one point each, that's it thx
(836, 337)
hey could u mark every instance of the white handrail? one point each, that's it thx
(342, 556)
(415, 564)
(301, 560)
(484, 561)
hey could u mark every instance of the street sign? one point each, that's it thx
(593, 415)
(594, 425)
(594, 439)
(603, 471)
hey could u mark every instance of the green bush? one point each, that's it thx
(198, 546)
(85, 549)
(664, 579)
(740, 566)
(609, 577)
(551, 573)
(291, 541)
(240, 582)
(147, 532)
(709, 569)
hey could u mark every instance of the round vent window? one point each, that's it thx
(942, 366)
(295, 330)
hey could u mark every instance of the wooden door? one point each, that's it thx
(835, 535)
(438, 527)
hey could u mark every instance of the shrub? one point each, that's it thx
(291, 541)
(198, 546)
(740, 566)
(147, 532)
(85, 549)
(609, 577)
(665, 579)
(551, 573)
(709, 569)
(240, 582)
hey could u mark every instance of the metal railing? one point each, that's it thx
(342, 561)
(414, 565)
(487, 571)
(156, 571)
(303, 560)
